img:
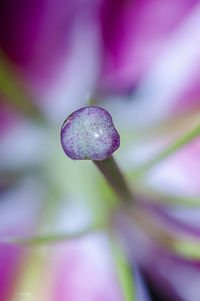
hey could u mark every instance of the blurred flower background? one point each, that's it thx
(140, 60)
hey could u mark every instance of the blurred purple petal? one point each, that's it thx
(176, 277)
(179, 217)
(140, 288)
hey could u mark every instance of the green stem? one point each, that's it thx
(123, 269)
(114, 177)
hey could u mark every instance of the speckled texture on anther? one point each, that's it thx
(89, 133)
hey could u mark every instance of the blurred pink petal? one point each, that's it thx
(190, 96)
(178, 175)
(85, 270)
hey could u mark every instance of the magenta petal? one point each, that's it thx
(134, 33)
(11, 258)
(35, 34)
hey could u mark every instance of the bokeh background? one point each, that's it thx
(139, 59)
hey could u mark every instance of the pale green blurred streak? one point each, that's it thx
(157, 197)
(182, 141)
(50, 238)
(188, 249)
